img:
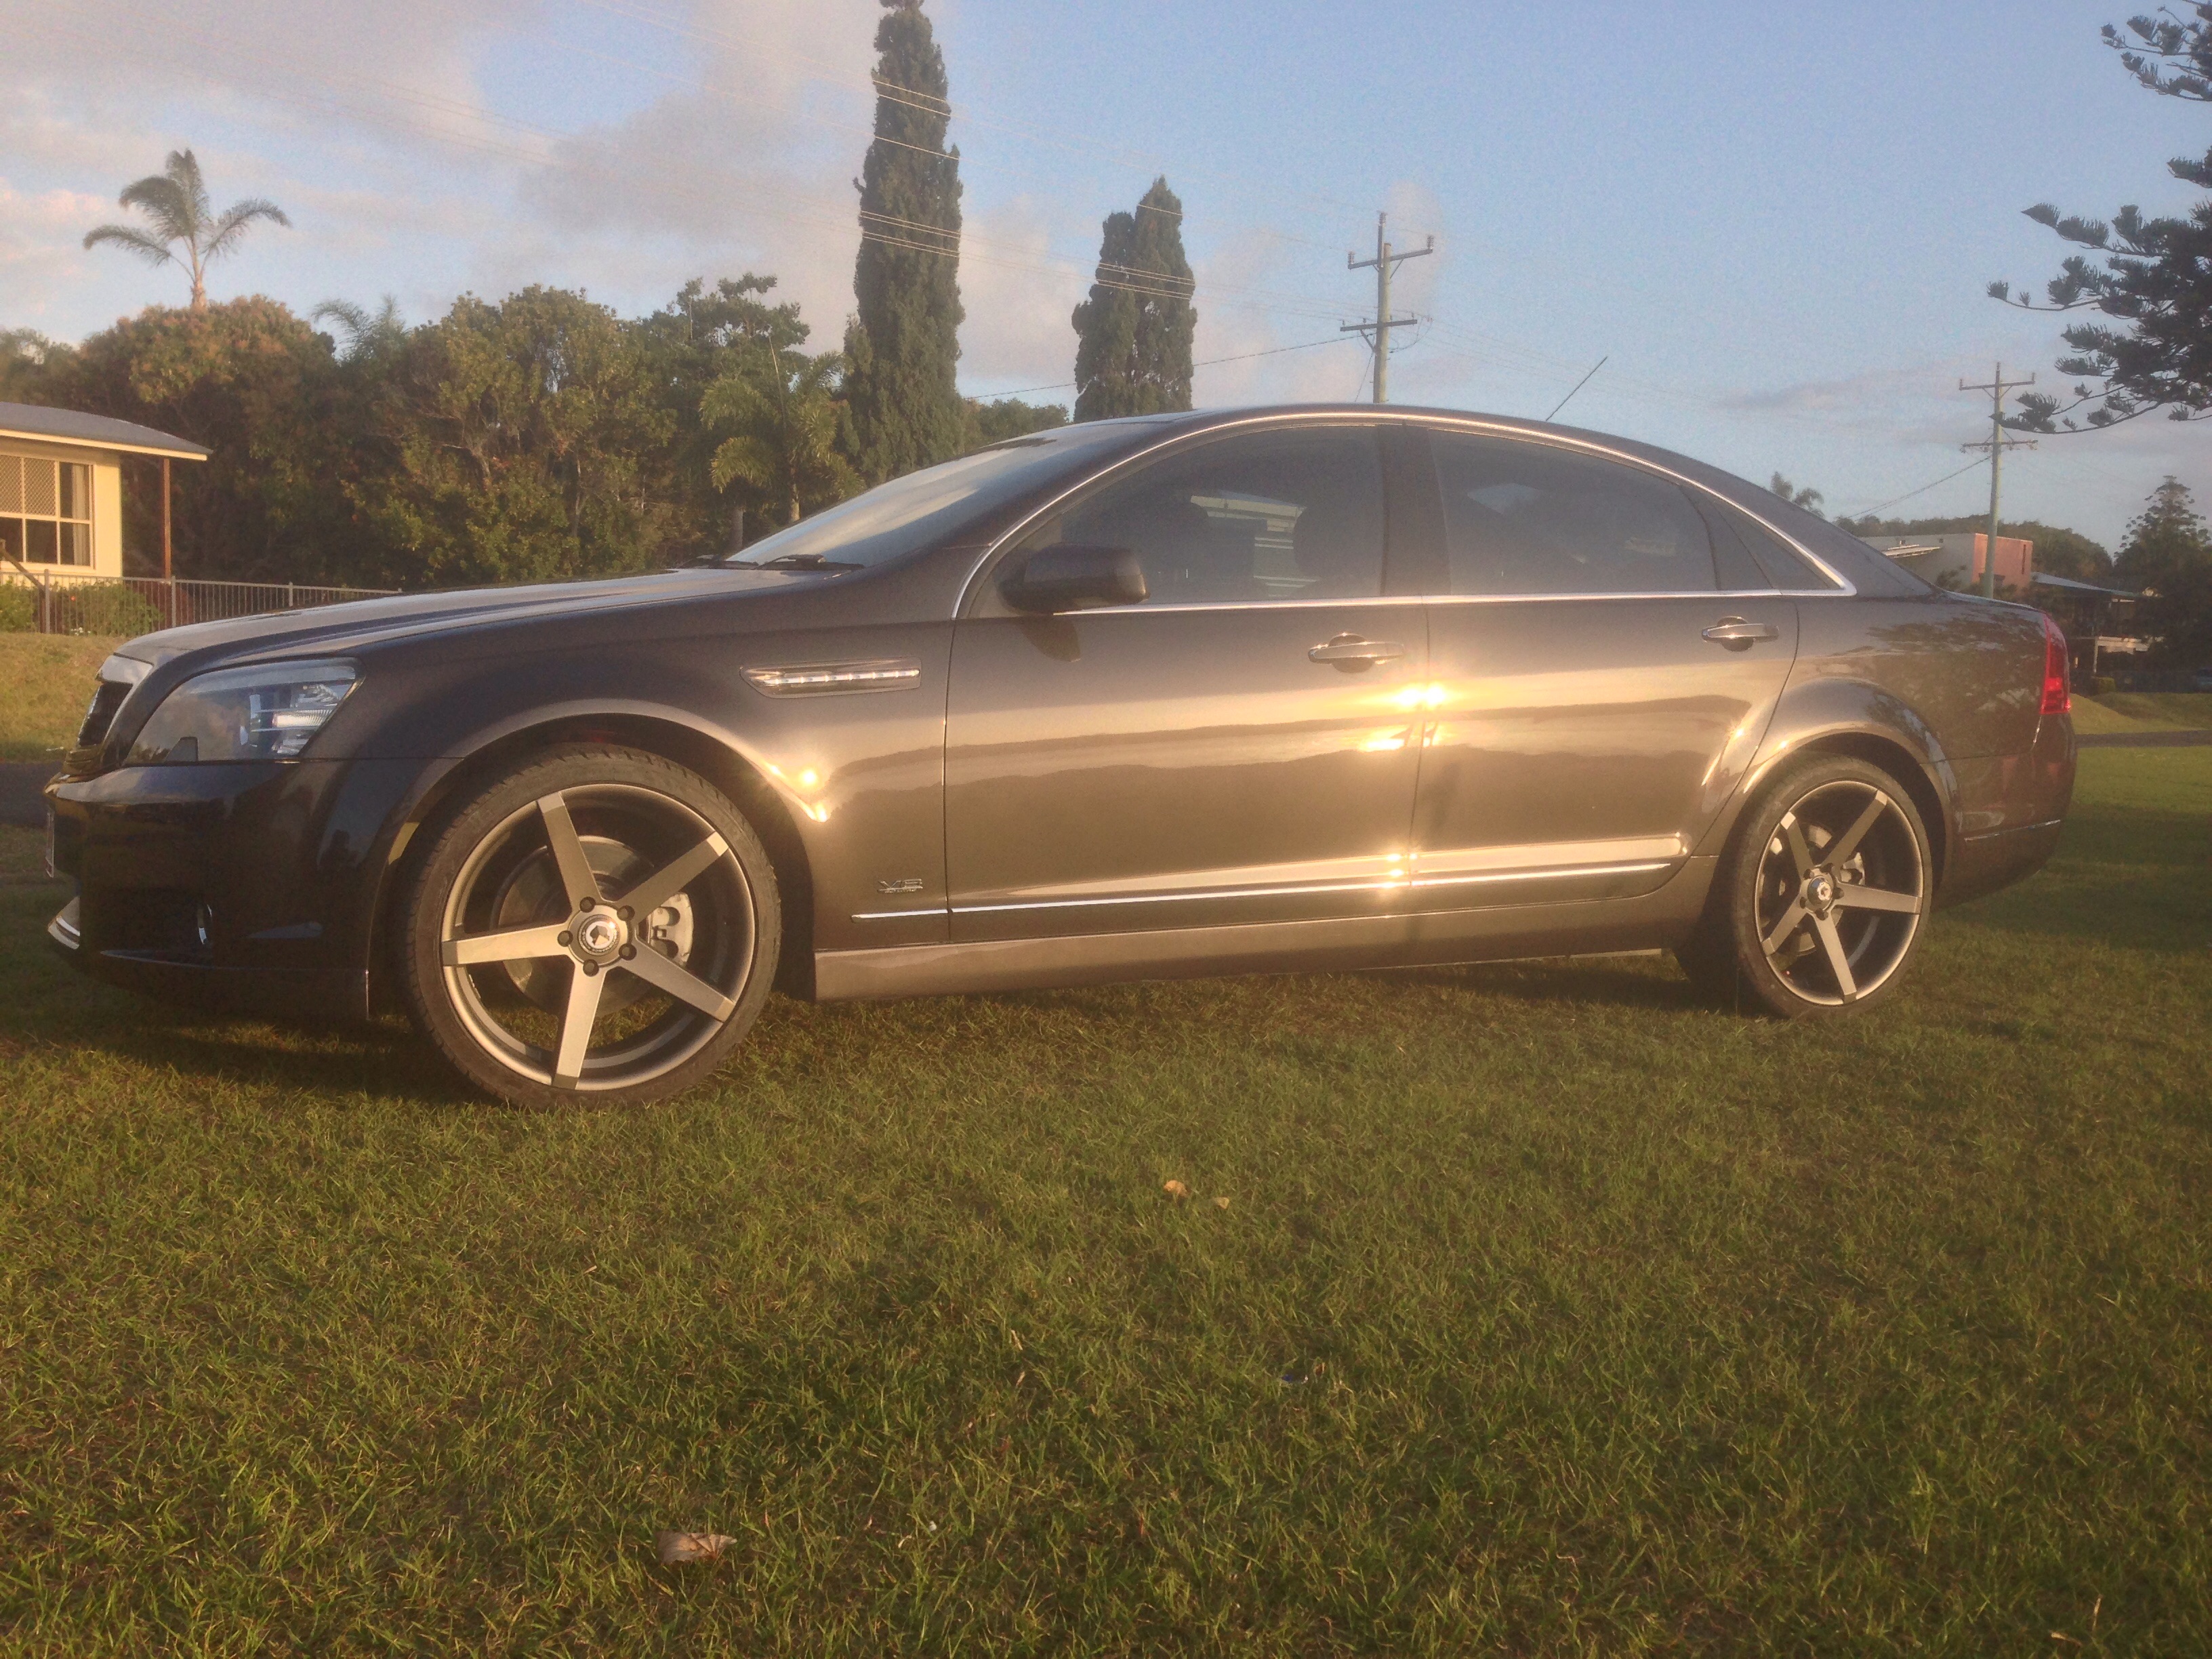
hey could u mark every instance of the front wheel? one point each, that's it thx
(598, 922)
(1818, 904)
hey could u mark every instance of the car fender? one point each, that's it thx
(844, 788)
(1833, 714)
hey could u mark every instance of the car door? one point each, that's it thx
(1606, 655)
(1241, 746)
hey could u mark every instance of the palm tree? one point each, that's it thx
(368, 335)
(782, 439)
(176, 200)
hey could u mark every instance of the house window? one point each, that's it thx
(45, 511)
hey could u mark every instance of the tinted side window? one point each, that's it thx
(1784, 565)
(1525, 518)
(1740, 573)
(1270, 515)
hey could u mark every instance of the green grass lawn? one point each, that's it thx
(2143, 711)
(1547, 1313)
(46, 681)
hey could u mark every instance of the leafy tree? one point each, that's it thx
(1810, 500)
(781, 438)
(518, 441)
(2168, 555)
(25, 354)
(2153, 349)
(369, 335)
(1133, 334)
(701, 338)
(2167, 538)
(901, 348)
(1009, 417)
(258, 386)
(176, 201)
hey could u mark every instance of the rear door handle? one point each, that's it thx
(1738, 634)
(1351, 648)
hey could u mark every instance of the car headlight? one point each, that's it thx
(267, 713)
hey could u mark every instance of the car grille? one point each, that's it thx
(106, 699)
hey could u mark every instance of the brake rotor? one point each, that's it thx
(532, 896)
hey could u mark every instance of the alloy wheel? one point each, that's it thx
(596, 938)
(1842, 887)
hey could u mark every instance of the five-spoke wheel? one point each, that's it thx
(1818, 904)
(599, 922)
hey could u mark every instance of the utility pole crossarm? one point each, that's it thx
(1385, 261)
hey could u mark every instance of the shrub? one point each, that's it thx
(104, 608)
(19, 608)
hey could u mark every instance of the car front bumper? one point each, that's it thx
(246, 886)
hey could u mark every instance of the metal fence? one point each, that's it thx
(138, 605)
(2149, 679)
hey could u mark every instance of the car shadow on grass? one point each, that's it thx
(1642, 982)
(46, 1006)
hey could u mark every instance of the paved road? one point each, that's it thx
(2143, 739)
(20, 800)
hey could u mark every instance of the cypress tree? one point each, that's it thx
(1133, 334)
(904, 410)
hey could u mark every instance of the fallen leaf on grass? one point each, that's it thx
(679, 1547)
(1176, 1190)
(1221, 1203)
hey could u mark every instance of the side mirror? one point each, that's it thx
(1069, 577)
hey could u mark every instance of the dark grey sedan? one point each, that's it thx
(1190, 693)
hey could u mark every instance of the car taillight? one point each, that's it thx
(2057, 686)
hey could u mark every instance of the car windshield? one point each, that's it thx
(912, 512)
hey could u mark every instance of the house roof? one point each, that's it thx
(96, 431)
(2073, 587)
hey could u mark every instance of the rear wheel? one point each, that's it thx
(597, 922)
(1818, 905)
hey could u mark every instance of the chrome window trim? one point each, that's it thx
(1430, 599)
(1844, 588)
(1318, 417)
(1402, 884)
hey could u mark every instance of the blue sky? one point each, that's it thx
(1775, 224)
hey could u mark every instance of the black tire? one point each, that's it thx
(1819, 901)
(518, 931)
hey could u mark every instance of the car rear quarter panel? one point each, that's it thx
(1955, 683)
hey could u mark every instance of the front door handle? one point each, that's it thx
(1737, 634)
(1351, 648)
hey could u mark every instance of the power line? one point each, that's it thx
(1207, 363)
(1884, 507)
(841, 75)
(975, 249)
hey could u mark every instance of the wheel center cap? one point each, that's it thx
(598, 934)
(1820, 890)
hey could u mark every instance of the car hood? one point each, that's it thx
(334, 628)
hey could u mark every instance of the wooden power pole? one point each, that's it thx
(1996, 444)
(1385, 261)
